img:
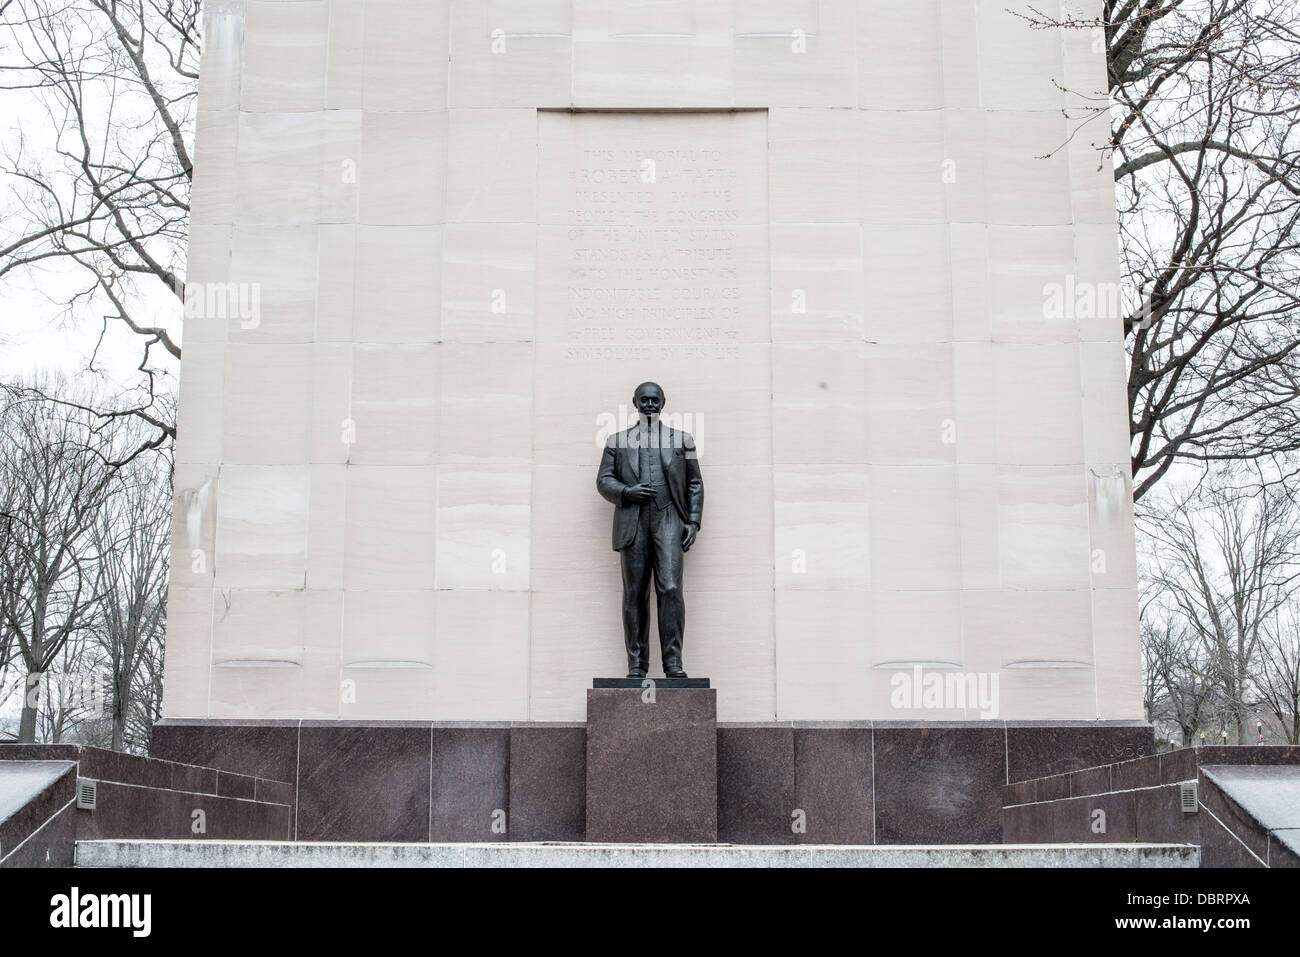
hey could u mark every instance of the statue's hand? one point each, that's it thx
(689, 532)
(639, 493)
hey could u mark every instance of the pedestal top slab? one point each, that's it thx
(639, 683)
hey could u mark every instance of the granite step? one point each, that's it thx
(181, 853)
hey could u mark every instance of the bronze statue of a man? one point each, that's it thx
(651, 474)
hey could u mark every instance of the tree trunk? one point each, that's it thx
(31, 698)
(119, 722)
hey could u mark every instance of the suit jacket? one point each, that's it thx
(618, 470)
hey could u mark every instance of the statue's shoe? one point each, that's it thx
(674, 673)
(636, 674)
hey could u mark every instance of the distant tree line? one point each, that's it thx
(84, 527)
(1220, 573)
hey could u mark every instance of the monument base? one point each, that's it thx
(789, 782)
(652, 765)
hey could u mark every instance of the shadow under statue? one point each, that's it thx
(651, 474)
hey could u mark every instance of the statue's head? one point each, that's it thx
(648, 399)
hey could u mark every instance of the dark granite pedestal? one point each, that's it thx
(652, 765)
(777, 782)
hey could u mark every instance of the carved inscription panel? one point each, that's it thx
(653, 239)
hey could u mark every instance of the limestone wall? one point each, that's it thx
(434, 246)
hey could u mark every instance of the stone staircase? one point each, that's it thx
(1239, 805)
(53, 796)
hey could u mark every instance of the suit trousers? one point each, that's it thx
(656, 551)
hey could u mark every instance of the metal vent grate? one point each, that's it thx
(87, 792)
(1187, 794)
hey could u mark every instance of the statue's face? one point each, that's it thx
(649, 400)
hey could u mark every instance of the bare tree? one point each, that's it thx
(1154, 702)
(57, 472)
(95, 191)
(146, 699)
(1279, 677)
(1228, 564)
(1181, 689)
(99, 179)
(1199, 123)
(8, 638)
(71, 691)
(131, 539)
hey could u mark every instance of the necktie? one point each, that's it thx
(647, 458)
(652, 472)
